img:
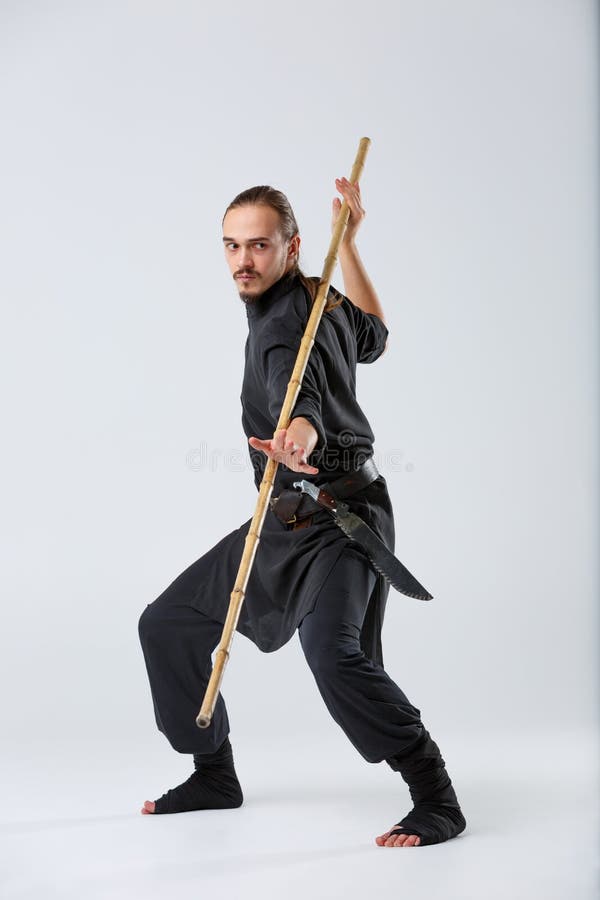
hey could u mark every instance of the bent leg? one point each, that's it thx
(177, 642)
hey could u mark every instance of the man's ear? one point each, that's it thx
(294, 247)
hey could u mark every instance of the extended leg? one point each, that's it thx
(177, 642)
(374, 713)
(372, 710)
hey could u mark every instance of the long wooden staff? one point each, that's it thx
(238, 593)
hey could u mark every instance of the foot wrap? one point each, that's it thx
(436, 815)
(213, 785)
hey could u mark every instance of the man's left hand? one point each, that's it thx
(351, 194)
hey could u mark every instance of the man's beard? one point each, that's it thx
(249, 299)
(245, 296)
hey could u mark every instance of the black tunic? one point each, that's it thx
(290, 566)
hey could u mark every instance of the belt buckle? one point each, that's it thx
(273, 503)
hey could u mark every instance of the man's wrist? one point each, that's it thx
(348, 248)
(304, 432)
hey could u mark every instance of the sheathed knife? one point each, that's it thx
(357, 530)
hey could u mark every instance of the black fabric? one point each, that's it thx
(290, 565)
(374, 713)
(345, 336)
(223, 754)
(369, 707)
(177, 642)
(213, 785)
(436, 815)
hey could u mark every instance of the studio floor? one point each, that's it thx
(71, 826)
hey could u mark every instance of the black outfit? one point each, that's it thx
(178, 640)
(313, 579)
(291, 565)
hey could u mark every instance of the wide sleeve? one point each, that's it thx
(279, 358)
(371, 334)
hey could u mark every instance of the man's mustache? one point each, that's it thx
(245, 272)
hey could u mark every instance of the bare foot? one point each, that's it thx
(397, 840)
(147, 808)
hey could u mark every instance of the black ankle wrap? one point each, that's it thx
(436, 815)
(213, 785)
(222, 756)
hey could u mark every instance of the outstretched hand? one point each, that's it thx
(351, 194)
(284, 449)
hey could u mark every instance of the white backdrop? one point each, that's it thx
(127, 129)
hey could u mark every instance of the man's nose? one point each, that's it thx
(245, 256)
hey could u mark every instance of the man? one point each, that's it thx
(307, 574)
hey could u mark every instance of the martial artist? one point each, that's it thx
(308, 575)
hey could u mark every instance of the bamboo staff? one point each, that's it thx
(238, 593)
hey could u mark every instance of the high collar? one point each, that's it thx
(260, 306)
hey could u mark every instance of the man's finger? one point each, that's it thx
(309, 470)
(279, 439)
(259, 444)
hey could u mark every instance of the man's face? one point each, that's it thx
(256, 253)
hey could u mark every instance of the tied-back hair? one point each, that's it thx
(264, 195)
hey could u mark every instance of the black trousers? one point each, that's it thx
(178, 640)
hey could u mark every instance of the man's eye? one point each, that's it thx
(260, 245)
(231, 246)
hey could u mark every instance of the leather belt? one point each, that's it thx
(295, 508)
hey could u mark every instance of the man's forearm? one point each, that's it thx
(357, 284)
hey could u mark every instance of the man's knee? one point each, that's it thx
(150, 622)
(163, 622)
(328, 660)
